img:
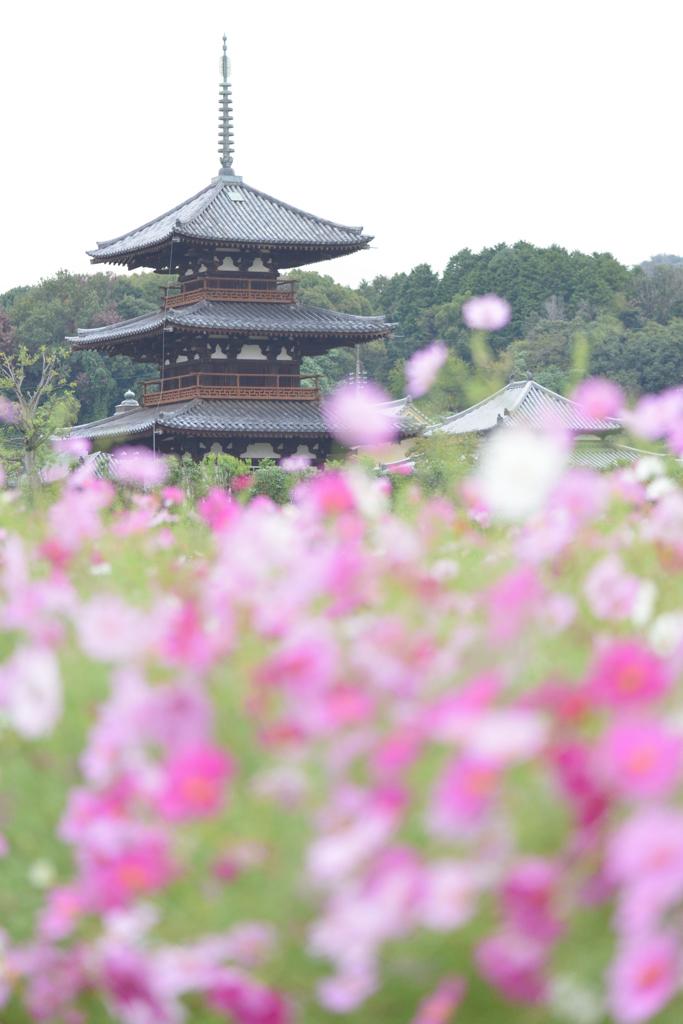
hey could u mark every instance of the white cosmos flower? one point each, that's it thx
(517, 471)
(34, 692)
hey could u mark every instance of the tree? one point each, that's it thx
(41, 402)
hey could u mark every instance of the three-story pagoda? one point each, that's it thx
(229, 338)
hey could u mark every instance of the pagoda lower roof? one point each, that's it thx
(232, 213)
(214, 417)
(222, 417)
(239, 318)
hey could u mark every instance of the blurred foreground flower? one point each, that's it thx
(137, 465)
(487, 313)
(355, 416)
(598, 398)
(518, 470)
(423, 367)
(77, 446)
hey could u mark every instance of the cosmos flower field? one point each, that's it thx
(352, 758)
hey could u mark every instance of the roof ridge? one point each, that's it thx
(569, 401)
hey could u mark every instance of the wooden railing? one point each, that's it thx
(230, 385)
(225, 289)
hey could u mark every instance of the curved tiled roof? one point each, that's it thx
(525, 403)
(213, 416)
(238, 317)
(249, 216)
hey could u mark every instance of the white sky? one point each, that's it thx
(437, 125)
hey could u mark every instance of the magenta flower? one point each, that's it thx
(115, 876)
(487, 313)
(641, 760)
(9, 411)
(358, 416)
(514, 965)
(138, 466)
(464, 793)
(440, 1005)
(246, 1000)
(528, 896)
(423, 367)
(194, 783)
(643, 977)
(218, 509)
(628, 674)
(598, 398)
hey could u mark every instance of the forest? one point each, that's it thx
(573, 315)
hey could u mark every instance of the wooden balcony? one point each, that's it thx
(278, 386)
(226, 289)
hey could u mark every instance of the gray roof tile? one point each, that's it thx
(212, 216)
(525, 403)
(287, 318)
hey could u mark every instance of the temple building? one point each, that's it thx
(226, 345)
(526, 403)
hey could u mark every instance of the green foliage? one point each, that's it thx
(46, 313)
(273, 482)
(442, 460)
(215, 470)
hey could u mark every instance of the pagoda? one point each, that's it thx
(227, 342)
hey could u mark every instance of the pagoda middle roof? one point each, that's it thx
(238, 317)
(234, 213)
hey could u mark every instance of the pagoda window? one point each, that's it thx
(259, 267)
(189, 273)
(219, 353)
(228, 264)
(251, 352)
(284, 354)
(259, 450)
(202, 268)
(181, 359)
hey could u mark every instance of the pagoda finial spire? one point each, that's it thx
(225, 136)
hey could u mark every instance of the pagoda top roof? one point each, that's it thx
(239, 317)
(525, 403)
(232, 213)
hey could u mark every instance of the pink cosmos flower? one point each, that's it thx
(627, 674)
(487, 313)
(4, 845)
(137, 465)
(358, 415)
(295, 463)
(598, 398)
(611, 591)
(423, 367)
(9, 411)
(656, 415)
(640, 760)
(247, 1000)
(448, 897)
(172, 495)
(78, 446)
(440, 1005)
(218, 509)
(514, 964)
(527, 898)
(643, 977)
(110, 629)
(132, 990)
(194, 783)
(648, 847)
(63, 908)
(117, 876)
(465, 792)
